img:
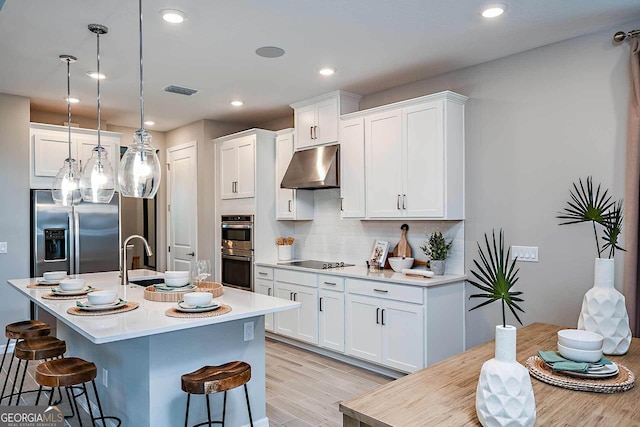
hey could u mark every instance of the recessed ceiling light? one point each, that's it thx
(494, 10)
(96, 75)
(269, 52)
(72, 100)
(237, 103)
(173, 16)
(149, 122)
(327, 71)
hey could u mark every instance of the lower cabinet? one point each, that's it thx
(331, 306)
(301, 324)
(265, 287)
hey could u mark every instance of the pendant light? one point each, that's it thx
(97, 181)
(65, 190)
(139, 172)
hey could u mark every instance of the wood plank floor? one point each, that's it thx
(303, 388)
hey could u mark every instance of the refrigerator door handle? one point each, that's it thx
(76, 241)
(71, 247)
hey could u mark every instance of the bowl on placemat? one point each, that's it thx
(399, 263)
(102, 297)
(174, 283)
(176, 274)
(198, 298)
(580, 339)
(577, 355)
(54, 275)
(72, 284)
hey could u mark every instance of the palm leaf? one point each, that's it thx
(612, 229)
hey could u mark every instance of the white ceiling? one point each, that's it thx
(374, 44)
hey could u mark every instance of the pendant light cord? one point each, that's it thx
(69, 108)
(141, 77)
(98, 66)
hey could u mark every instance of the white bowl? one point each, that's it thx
(177, 274)
(198, 298)
(54, 275)
(399, 263)
(177, 282)
(576, 355)
(580, 340)
(102, 297)
(72, 284)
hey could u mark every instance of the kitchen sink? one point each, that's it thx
(144, 277)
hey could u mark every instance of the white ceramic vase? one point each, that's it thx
(504, 396)
(604, 311)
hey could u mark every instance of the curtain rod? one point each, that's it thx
(621, 35)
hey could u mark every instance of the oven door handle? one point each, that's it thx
(238, 226)
(236, 257)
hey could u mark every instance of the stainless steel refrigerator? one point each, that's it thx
(82, 239)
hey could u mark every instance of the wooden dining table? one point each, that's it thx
(444, 394)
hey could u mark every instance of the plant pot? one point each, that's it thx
(437, 266)
(604, 311)
(504, 396)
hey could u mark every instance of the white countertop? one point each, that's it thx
(362, 272)
(149, 317)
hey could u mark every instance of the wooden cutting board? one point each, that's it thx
(403, 248)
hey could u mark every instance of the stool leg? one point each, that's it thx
(86, 396)
(186, 416)
(4, 386)
(95, 391)
(208, 410)
(75, 403)
(24, 374)
(15, 380)
(246, 394)
(38, 397)
(51, 397)
(73, 412)
(224, 408)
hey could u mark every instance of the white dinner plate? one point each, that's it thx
(186, 308)
(83, 291)
(86, 306)
(48, 282)
(604, 371)
(164, 288)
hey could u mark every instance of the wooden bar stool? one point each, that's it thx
(215, 379)
(20, 331)
(41, 348)
(69, 372)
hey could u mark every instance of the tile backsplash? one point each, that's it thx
(330, 238)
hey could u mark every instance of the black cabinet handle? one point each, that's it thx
(311, 132)
(262, 273)
(269, 291)
(295, 296)
(377, 316)
(291, 296)
(384, 291)
(383, 316)
(404, 201)
(321, 304)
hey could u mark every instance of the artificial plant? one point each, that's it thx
(436, 247)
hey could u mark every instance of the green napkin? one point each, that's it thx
(560, 363)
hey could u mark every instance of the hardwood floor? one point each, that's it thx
(304, 389)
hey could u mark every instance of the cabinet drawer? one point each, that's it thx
(296, 277)
(333, 283)
(386, 290)
(264, 273)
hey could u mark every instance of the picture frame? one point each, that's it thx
(379, 253)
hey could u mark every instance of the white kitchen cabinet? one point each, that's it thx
(49, 149)
(331, 318)
(301, 324)
(265, 287)
(352, 159)
(290, 204)
(316, 120)
(237, 163)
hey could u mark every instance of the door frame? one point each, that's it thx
(171, 149)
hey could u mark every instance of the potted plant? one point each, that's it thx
(502, 379)
(436, 248)
(603, 307)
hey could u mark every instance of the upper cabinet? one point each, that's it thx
(237, 167)
(316, 120)
(49, 146)
(290, 204)
(413, 163)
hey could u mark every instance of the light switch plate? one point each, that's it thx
(3, 247)
(525, 253)
(248, 331)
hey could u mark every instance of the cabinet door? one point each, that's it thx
(352, 166)
(86, 144)
(364, 338)
(423, 163)
(265, 287)
(402, 335)
(245, 186)
(228, 169)
(284, 196)
(332, 320)
(304, 123)
(285, 322)
(326, 130)
(307, 314)
(50, 151)
(384, 159)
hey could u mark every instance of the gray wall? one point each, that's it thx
(278, 124)
(14, 219)
(40, 116)
(536, 122)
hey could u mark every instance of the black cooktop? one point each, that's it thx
(317, 265)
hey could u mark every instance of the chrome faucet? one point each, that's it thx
(123, 274)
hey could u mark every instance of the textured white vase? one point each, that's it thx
(604, 311)
(504, 396)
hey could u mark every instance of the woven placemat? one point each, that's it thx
(224, 309)
(40, 286)
(127, 307)
(53, 295)
(623, 381)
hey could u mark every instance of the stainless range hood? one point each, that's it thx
(313, 169)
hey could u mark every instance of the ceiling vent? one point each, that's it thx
(180, 90)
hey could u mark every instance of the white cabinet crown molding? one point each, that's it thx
(330, 95)
(254, 131)
(74, 130)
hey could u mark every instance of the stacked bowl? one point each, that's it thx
(579, 345)
(177, 278)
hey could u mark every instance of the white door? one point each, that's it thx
(284, 196)
(245, 182)
(307, 314)
(364, 338)
(228, 169)
(352, 203)
(265, 287)
(332, 320)
(326, 130)
(285, 322)
(383, 139)
(402, 346)
(424, 160)
(305, 121)
(182, 212)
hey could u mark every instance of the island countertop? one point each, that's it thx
(149, 318)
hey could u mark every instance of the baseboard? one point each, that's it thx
(337, 356)
(264, 422)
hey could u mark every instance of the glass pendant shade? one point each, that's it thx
(66, 185)
(139, 173)
(97, 183)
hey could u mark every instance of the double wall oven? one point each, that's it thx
(237, 251)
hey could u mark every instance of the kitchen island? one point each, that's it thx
(141, 354)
